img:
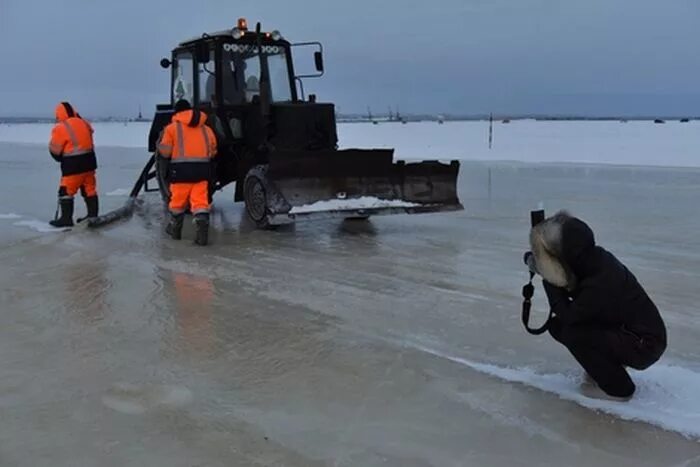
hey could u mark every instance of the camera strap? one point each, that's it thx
(528, 292)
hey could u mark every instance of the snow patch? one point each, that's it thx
(118, 192)
(364, 202)
(666, 395)
(136, 399)
(40, 226)
(10, 216)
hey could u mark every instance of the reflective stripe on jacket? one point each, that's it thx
(72, 143)
(190, 145)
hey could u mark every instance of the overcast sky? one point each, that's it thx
(453, 56)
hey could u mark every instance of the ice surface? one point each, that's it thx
(275, 337)
(40, 226)
(364, 202)
(666, 396)
(10, 216)
(118, 192)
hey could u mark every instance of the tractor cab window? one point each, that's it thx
(279, 75)
(241, 73)
(183, 77)
(207, 80)
(251, 77)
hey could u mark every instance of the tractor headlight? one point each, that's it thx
(276, 35)
(237, 33)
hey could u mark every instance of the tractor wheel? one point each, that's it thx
(255, 192)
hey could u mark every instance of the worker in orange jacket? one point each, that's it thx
(187, 147)
(72, 146)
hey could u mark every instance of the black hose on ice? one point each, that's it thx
(128, 208)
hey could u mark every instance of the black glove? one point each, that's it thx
(56, 158)
(164, 167)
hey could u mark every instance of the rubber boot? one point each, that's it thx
(202, 229)
(66, 219)
(93, 206)
(174, 228)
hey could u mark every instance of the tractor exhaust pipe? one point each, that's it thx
(264, 80)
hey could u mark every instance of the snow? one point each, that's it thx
(130, 135)
(633, 143)
(10, 216)
(364, 202)
(666, 396)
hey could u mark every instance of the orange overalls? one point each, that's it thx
(190, 145)
(72, 145)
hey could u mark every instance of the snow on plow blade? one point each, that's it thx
(357, 183)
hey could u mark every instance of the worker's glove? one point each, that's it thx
(55, 157)
(164, 167)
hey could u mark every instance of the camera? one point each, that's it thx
(536, 217)
(529, 260)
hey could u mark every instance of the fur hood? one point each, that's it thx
(561, 245)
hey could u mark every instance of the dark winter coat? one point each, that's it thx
(587, 284)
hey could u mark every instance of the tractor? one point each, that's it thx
(279, 146)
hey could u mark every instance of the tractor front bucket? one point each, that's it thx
(356, 183)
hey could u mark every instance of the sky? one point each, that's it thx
(583, 57)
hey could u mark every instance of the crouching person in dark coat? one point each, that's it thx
(600, 311)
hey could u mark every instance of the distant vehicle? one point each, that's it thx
(658, 120)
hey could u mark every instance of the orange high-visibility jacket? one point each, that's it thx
(71, 142)
(190, 145)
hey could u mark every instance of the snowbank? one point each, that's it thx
(130, 135)
(635, 143)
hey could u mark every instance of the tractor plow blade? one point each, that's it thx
(356, 183)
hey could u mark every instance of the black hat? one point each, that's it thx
(181, 105)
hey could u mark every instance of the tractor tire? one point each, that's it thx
(255, 192)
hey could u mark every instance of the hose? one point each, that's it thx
(130, 204)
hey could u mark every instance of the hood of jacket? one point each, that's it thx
(564, 249)
(191, 118)
(64, 111)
